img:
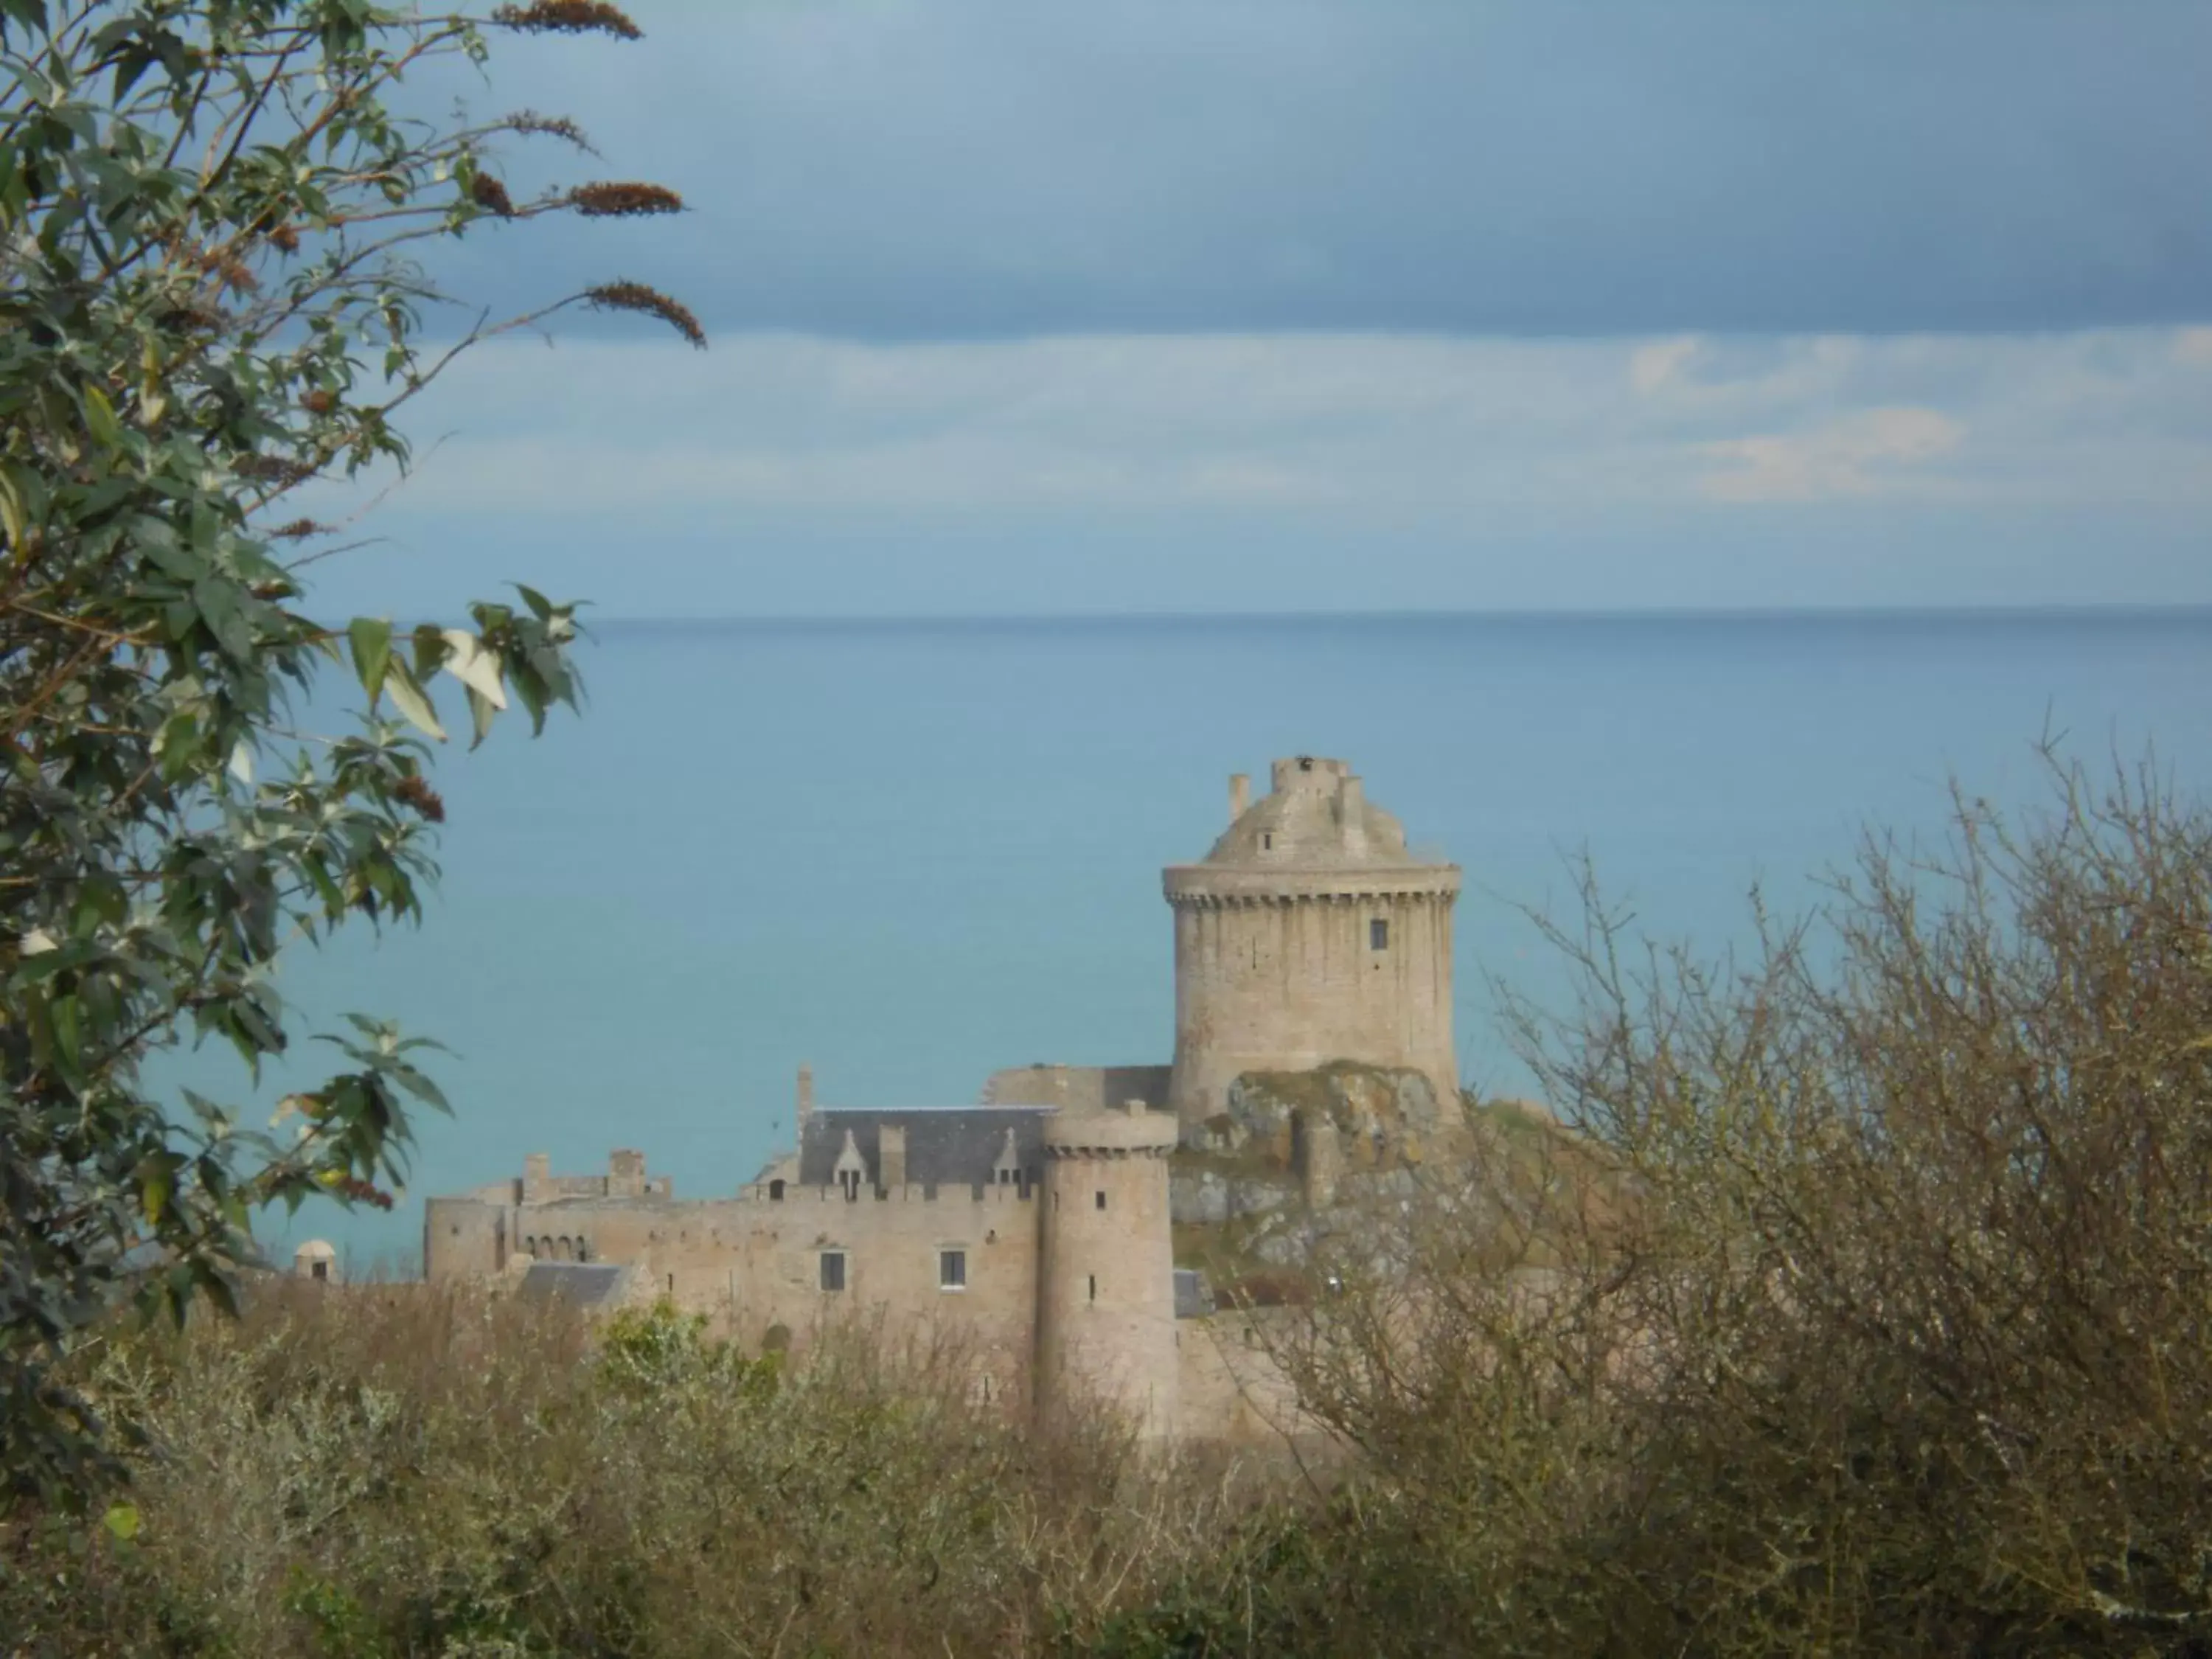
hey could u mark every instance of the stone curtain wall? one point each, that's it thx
(1078, 1088)
(753, 1263)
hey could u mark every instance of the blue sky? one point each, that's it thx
(1258, 304)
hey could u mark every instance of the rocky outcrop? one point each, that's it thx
(1383, 1115)
(1207, 1192)
(1288, 1139)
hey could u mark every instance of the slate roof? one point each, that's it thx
(580, 1284)
(945, 1146)
(1193, 1297)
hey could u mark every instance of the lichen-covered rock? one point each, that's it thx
(1206, 1194)
(1384, 1116)
(1198, 1197)
(1258, 1197)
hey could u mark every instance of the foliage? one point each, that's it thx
(399, 1470)
(1887, 1332)
(206, 212)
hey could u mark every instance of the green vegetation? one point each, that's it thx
(366, 1471)
(206, 208)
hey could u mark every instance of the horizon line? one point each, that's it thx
(2116, 612)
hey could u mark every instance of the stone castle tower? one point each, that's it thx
(1310, 934)
(1106, 1311)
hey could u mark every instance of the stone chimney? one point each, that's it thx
(537, 1177)
(805, 1103)
(1320, 1152)
(625, 1174)
(1351, 801)
(1240, 794)
(1351, 811)
(890, 1155)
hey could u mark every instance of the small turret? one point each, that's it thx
(1106, 1321)
(316, 1259)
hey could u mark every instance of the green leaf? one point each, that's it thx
(421, 1088)
(99, 419)
(430, 649)
(371, 639)
(122, 1521)
(411, 700)
(154, 1195)
(217, 601)
(68, 1035)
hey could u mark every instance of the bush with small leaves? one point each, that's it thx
(207, 213)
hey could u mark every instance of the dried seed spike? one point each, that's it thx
(424, 798)
(567, 17)
(488, 193)
(649, 302)
(623, 200)
(555, 126)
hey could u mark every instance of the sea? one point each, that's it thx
(908, 853)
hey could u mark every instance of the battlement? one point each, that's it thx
(1195, 886)
(1133, 1131)
(1306, 772)
(980, 1194)
(625, 1178)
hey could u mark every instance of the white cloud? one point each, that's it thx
(1853, 455)
(1652, 367)
(1362, 430)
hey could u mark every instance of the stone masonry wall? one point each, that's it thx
(753, 1262)
(1285, 982)
(1078, 1088)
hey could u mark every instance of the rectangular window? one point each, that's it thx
(1379, 934)
(1101, 1200)
(833, 1270)
(1094, 1287)
(952, 1270)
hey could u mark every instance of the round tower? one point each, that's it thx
(1106, 1319)
(1310, 934)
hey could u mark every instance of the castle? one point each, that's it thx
(1034, 1226)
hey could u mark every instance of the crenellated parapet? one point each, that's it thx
(1332, 887)
(912, 1192)
(1135, 1131)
